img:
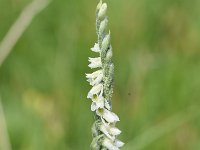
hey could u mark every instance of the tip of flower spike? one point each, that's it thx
(99, 5)
(102, 11)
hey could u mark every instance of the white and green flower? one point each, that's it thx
(96, 90)
(107, 115)
(97, 102)
(95, 77)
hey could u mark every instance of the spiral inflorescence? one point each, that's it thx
(103, 130)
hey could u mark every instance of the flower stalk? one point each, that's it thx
(103, 130)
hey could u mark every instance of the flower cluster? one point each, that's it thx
(104, 131)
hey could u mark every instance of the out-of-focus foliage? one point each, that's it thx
(157, 72)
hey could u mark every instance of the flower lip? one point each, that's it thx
(95, 62)
(96, 48)
(97, 103)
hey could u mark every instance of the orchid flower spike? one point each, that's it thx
(103, 130)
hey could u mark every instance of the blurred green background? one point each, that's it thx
(156, 46)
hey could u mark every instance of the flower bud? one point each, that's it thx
(109, 55)
(106, 42)
(103, 26)
(102, 11)
(96, 142)
(111, 73)
(94, 130)
(99, 6)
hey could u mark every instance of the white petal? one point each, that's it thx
(107, 105)
(104, 129)
(97, 80)
(109, 144)
(97, 89)
(110, 116)
(95, 77)
(94, 74)
(100, 102)
(95, 62)
(114, 131)
(119, 143)
(93, 106)
(97, 103)
(96, 48)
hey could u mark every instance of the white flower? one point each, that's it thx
(104, 128)
(95, 77)
(95, 62)
(96, 48)
(109, 116)
(110, 131)
(114, 131)
(97, 102)
(119, 143)
(109, 144)
(96, 90)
